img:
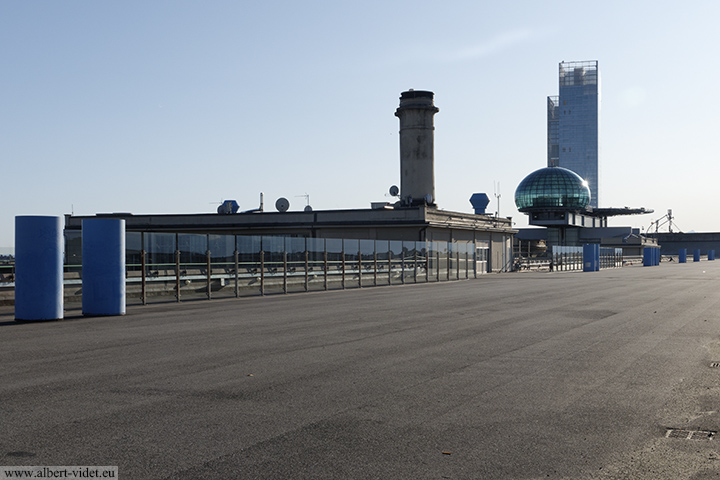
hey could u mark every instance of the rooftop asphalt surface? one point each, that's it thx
(513, 376)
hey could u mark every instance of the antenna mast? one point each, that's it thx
(307, 199)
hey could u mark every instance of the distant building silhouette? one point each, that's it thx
(573, 123)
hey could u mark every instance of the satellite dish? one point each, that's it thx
(394, 190)
(282, 204)
(308, 208)
(428, 199)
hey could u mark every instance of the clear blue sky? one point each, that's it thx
(173, 106)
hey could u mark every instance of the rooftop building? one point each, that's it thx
(415, 217)
(560, 200)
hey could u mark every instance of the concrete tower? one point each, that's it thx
(417, 172)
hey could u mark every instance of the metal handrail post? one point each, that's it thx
(437, 267)
(143, 280)
(389, 253)
(467, 264)
(415, 267)
(237, 273)
(449, 254)
(307, 278)
(342, 266)
(262, 272)
(209, 277)
(177, 275)
(325, 260)
(375, 268)
(427, 265)
(285, 273)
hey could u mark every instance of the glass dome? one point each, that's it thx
(552, 188)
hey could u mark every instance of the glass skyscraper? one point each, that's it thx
(573, 123)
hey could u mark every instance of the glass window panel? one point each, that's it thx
(222, 248)
(133, 248)
(295, 245)
(73, 247)
(334, 245)
(273, 258)
(193, 249)
(351, 247)
(382, 247)
(273, 244)
(160, 248)
(367, 248)
(396, 249)
(316, 249)
(248, 247)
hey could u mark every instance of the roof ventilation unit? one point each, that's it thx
(479, 201)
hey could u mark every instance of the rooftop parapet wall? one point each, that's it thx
(400, 223)
(671, 243)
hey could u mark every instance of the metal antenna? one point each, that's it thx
(307, 199)
(496, 189)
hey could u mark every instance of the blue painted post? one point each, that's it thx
(38, 268)
(103, 269)
(696, 255)
(647, 257)
(682, 255)
(597, 257)
(711, 254)
(591, 258)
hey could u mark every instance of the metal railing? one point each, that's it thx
(162, 266)
(568, 259)
(267, 265)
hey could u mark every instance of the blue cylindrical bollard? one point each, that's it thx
(711, 254)
(103, 269)
(591, 257)
(696, 255)
(647, 256)
(682, 255)
(38, 268)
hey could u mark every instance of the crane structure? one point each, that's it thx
(664, 220)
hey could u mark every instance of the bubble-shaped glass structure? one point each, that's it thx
(552, 188)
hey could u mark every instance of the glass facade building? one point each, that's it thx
(552, 188)
(553, 125)
(573, 123)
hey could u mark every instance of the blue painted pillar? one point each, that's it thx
(647, 256)
(38, 268)
(682, 255)
(657, 256)
(696, 255)
(711, 254)
(103, 269)
(591, 258)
